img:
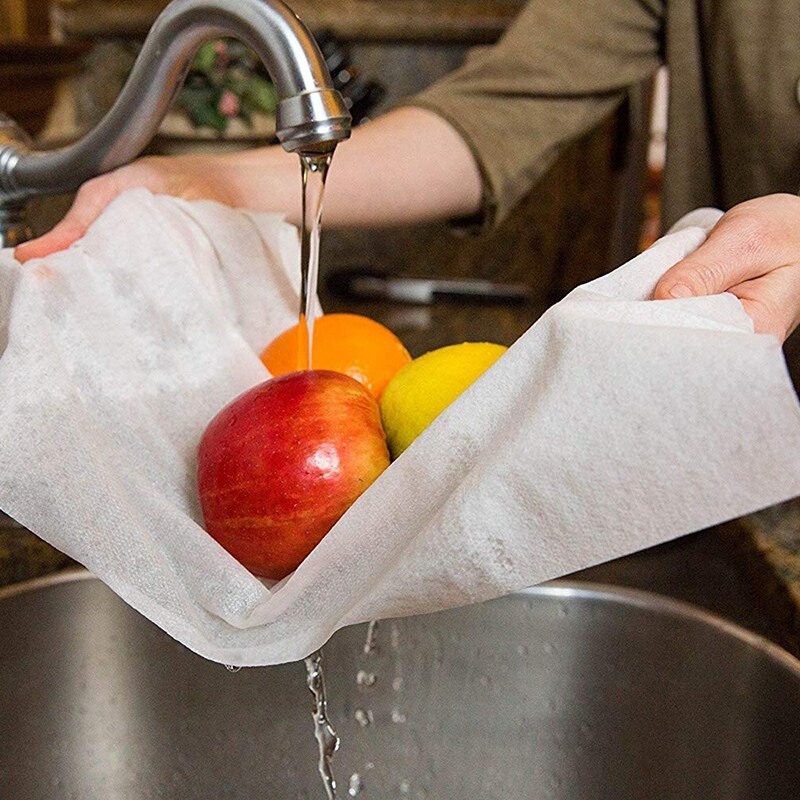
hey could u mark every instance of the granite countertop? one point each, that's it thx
(773, 535)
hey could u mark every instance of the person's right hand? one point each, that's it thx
(189, 177)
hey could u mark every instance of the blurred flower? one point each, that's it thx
(228, 104)
(227, 81)
(221, 52)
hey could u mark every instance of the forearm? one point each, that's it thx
(407, 167)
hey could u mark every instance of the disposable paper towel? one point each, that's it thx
(612, 425)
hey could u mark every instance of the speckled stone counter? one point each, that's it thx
(774, 538)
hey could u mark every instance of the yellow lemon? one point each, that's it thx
(421, 390)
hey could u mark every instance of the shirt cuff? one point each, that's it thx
(490, 214)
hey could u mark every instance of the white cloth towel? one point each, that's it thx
(612, 425)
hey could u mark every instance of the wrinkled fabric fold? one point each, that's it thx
(615, 423)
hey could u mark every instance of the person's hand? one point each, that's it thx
(407, 167)
(754, 253)
(189, 177)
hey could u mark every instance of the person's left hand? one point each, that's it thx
(754, 253)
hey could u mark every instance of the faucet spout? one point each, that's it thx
(311, 115)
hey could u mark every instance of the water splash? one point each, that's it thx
(355, 785)
(327, 740)
(370, 646)
(363, 718)
(364, 678)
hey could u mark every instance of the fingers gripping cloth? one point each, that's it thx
(613, 424)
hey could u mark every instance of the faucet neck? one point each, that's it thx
(311, 114)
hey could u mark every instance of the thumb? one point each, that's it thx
(749, 241)
(91, 199)
(729, 256)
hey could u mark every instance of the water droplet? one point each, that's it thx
(369, 765)
(549, 648)
(355, 785)
(231, 668)
(395, 637)
(372, 632)
(398, 716)
(405, 787)
(363, 718)
(364, 678)
(397, 684)
(522, 650)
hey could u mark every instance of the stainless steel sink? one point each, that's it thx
(567, 691)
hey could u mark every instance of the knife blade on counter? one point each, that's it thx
(368, 284)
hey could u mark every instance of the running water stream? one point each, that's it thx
(327, 740)
(314, 170)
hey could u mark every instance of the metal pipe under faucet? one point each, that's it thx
(311, 115)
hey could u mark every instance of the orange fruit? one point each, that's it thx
(349, 343)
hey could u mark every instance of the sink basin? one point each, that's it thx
(566, 691)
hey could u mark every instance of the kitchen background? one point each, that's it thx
(63, 62)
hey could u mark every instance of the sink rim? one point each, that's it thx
(560, 588)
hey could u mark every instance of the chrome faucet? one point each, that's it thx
(311, 116)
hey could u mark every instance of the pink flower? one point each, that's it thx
(221, 51)
(228, 104)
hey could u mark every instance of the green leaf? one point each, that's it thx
(205, 117)
(260, 95)
(237, 82)
(206, 58)
(192, 97)
(200, 104)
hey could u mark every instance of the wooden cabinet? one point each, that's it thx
(24, 19)
(465, 21)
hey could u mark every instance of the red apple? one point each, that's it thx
(281, 464)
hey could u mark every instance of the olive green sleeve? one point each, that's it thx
(561, 67)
